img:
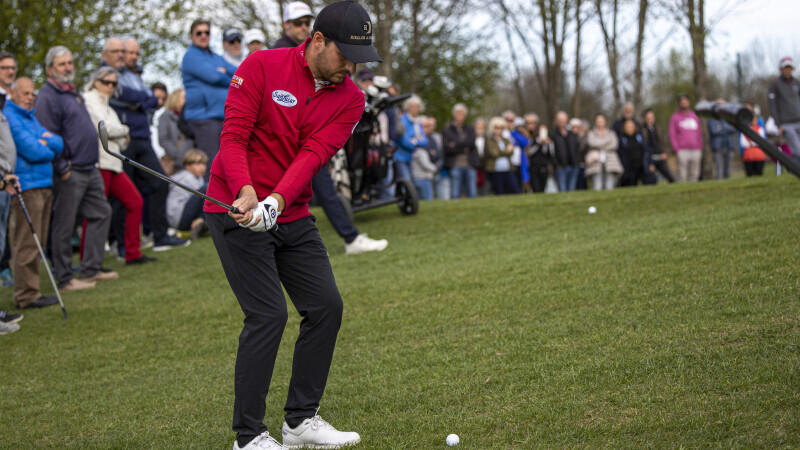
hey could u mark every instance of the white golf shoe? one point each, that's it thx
(317, 433)
(363, 243)
(261, 442)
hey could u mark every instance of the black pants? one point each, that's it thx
(754, 168)
(504, 183)
(538, 177)
(663, 169)
(256, 264)
(141, 151)
(206, 136)
(325, 193)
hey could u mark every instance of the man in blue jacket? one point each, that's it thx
(206, 77)
(78, 188)
(723, 140)
(132, 101)
(36, 149)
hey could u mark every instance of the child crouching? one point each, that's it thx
(184, 210)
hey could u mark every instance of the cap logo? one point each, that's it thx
(284, 98)
(368, 28)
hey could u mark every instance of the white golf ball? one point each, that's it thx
(452, 439)
(592, 210)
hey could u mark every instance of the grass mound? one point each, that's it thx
(670, 318)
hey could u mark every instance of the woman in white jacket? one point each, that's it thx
(96, 94)
(603, 145)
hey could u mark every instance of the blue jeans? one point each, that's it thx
(567, 178)
(424, 188)
(322, 184)
(461, 175)
(403, 170)
(443, 189)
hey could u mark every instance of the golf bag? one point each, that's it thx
(368, 151)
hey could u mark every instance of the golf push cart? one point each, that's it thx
(360, 175)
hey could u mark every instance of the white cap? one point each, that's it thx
(254, 34)
(296, 10)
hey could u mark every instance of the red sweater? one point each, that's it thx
(278, 131)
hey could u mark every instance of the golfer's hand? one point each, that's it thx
(265, 215)
(66, 175)
(245, 203)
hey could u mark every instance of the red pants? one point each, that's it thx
(119, 186)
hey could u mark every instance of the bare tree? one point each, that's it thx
(637, 68)
(575, 105)
(554, 15)
(610, 34)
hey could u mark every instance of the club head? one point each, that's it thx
(103, 134)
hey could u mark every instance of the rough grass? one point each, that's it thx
(668, 319)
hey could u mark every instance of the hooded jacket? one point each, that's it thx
(279, 130)
(685, 131)
(34, 159)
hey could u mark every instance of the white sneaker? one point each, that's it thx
(7, 328)
(363, 243)
(317, 433)
(261, 442)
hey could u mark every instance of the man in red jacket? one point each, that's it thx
(287, 112)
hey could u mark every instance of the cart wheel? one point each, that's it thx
(346, 206)
(407, 197)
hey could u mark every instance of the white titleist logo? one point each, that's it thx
(284, 98)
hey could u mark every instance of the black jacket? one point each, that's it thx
(456, 142)
(617, 127)
(653, 140)
(285, 41)
(634, 153)
(566, 148)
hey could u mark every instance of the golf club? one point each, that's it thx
(41, 251)
(740, 117)
(103, 133)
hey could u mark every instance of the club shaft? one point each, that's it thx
(156, 174)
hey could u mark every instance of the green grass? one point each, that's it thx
(668, 319)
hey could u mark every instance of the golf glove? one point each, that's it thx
(268, 212)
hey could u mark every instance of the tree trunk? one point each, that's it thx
(415, 51)
(517, 73)
(382, 33)
(637, 70)
(612, 54)
(575, 103)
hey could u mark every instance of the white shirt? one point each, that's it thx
(502, 164)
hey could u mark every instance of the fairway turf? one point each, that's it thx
(671, 318)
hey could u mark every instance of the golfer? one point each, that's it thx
(288, 111)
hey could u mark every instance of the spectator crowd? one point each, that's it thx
(509, 154)
(81, 198)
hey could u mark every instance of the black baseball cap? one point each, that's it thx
(349, 26)
(231, 34)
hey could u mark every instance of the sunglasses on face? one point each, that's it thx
(202, 32)
(301, 22)
(236, 41)
(109, 83)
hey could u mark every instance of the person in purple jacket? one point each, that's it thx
(686, 137)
